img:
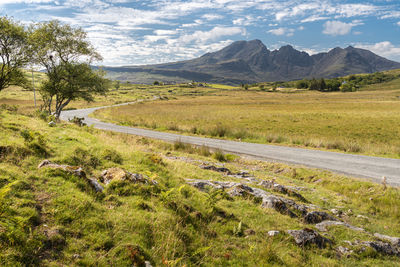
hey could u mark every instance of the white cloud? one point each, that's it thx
(336, 27)
(212, 16)
(282, 31)
(4, 2)
(398, 23)
(212, 35)
(385, 49)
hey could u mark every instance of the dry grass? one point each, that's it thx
(365, 122)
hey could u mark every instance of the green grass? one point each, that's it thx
(51, 218)
(364, 122)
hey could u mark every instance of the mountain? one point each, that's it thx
(251, 61)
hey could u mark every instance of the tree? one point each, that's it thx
(14, 53)
(117, 85)
(66, 54)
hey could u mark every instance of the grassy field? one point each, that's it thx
(52, 218)
(366, 122)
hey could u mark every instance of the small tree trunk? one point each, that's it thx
(60, 107)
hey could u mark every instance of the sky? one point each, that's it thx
(134, 32)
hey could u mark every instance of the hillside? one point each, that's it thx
(171, 204)
(251, 61)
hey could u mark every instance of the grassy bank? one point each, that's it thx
(366, 122)
(49, 217)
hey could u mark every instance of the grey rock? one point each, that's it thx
(336, 212)
(147, 264)
(383, 248)
(308, 236)
(95, 184)
(322, 226)
(216, 169)
(52, 124)
(282, 189)
(314, 217)
(75, 170)
(394, 240)
(343, 251)
(273, 233)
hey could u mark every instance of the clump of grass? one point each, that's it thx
(112, 155)
(220, 130)
(83, 157)
(36, 142)
(219, 155)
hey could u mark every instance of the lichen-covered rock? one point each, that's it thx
(216, 169)
(383, 248)
(282, 189)
(322, 226)
(314, 217)
(343, 251)
(308, 236)
(268, 200)
(118, 174)
(75, 170)
(394, 240)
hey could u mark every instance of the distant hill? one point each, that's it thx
(251, 61)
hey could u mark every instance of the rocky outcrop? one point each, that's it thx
(75, 170)
(322, 226)
(308, 236)
(317, 217)
(118, 174)
(281, 189)
(394, 240)
(268, 200)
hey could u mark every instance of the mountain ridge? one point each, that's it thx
(251, 61)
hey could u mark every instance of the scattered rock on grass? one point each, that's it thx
(75, 170)
(383, 248)
(217, 169)
(314, 217)
(118, 174)
(394, 240)
(273, 233)
(308, 236)
(322, 226)
(282, 189)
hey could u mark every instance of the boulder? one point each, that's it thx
(308, 236)
(95, 184)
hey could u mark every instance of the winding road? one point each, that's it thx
(372, 168)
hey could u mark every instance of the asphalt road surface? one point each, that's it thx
(372, 168)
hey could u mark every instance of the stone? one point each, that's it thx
(75, 170)
(308, 236)
(281, 189)
(273, 233)
(95, 184)
(336, 212)
(322, 226)
(314, 217)
(343, 251)
(383, 248)
(52, 124)
(118, 174)
(362, 217)
(216, 169)
(394, 240)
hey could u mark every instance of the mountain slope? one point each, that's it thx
(251, 61)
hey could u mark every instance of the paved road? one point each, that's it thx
(372, 168)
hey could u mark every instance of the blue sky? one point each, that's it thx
(145, 32)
